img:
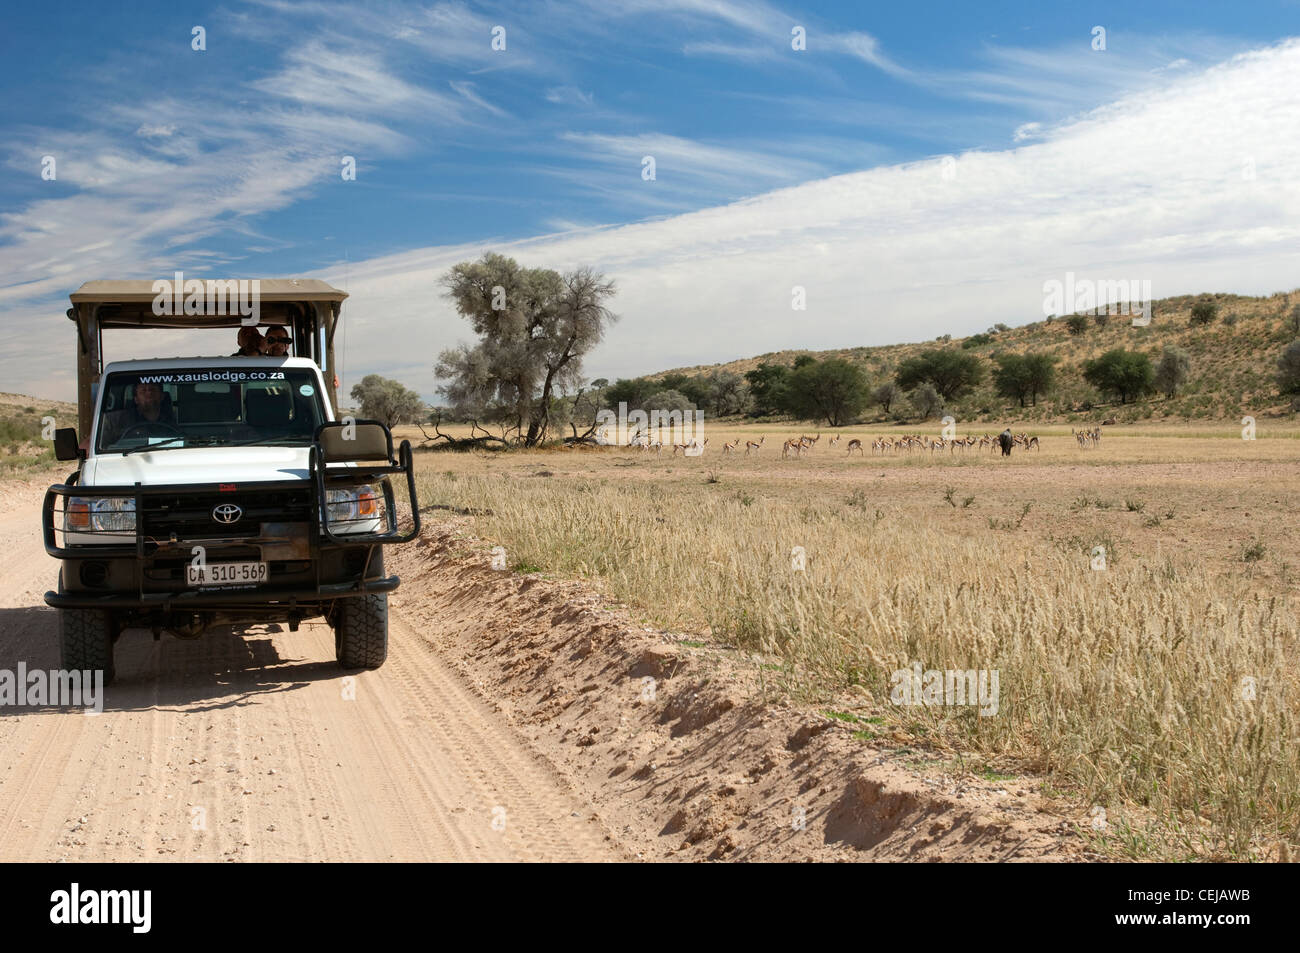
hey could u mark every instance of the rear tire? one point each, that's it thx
(86, 640)
(361, 631)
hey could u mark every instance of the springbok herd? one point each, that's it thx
(1087, 438)
(905, 443)
(908, 443)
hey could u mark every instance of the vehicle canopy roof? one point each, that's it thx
(308, 306)
(130, 304)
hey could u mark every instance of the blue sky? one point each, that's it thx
(771, 164)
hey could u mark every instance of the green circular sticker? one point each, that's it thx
(306, 390)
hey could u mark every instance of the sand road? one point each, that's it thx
(257, 747)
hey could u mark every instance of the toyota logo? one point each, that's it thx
(226, 513)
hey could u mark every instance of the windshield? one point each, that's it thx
(216, 406)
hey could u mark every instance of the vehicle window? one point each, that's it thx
(209, 407)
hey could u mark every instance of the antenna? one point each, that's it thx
(347, 286)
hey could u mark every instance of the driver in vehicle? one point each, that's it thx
(150, 406)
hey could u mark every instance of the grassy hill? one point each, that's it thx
(1233, 362)
(22, 447)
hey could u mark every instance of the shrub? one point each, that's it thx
(925, 400)
(1172, 370)
(1288, 369)
(1126, 374)
(886, 395)
(1203, 313)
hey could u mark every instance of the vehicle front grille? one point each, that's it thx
(189, 515)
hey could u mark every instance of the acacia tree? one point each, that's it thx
(1172, 370)
(387, 400)
(925, 400)
(730, 394)
(1024, 376)
(767, 385)
(584, 407)
(1127, 374)
(832, 389)
(950, 372)
(886, 395)
(534, 326)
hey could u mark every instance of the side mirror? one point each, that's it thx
(347, 442)
(65, 444)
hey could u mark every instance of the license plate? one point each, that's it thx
(225, 574)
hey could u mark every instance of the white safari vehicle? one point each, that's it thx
(222, 490)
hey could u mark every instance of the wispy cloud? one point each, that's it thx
(347, 81)
(735, 51)
(467, 90)
(684, 165)
(1068, 78)
(867, 48)
(569, 96)
(124, 206)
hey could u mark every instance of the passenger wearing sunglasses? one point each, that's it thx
(277, 342)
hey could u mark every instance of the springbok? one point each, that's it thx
(750, 445)
(791, 444)
(855, 444)
(730, 447)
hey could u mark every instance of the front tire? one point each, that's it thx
(361, 631)
(86, 641)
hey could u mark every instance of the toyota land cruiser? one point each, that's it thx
(222, 490)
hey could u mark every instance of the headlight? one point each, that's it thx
(113, 514)
(351, 506)
(341, 504)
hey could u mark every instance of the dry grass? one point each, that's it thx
(22, 449)
(1125, 685)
